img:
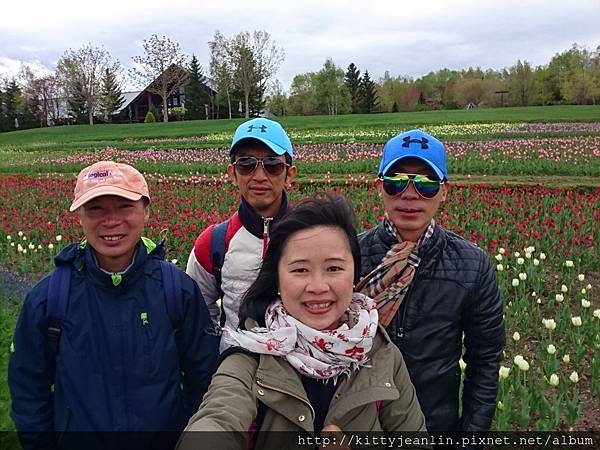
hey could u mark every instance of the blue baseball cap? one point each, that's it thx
(415, 144)
(267, 131)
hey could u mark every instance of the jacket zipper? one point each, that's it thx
(260, 383)
(400, 327)
(266, 222)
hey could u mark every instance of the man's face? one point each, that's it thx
(113, 227)
(262, 190)
(408, 211)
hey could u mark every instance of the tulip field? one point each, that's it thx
(530, 198)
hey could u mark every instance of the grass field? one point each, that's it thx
(525, 187)
(203, 134)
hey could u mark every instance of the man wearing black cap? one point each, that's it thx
(433, 288)
(226, 257)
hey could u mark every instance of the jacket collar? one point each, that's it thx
(254, 222)
(82, 258)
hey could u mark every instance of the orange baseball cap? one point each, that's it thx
(109, 178)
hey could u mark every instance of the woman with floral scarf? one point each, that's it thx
(311, 358)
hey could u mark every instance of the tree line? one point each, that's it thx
(86, 85)
(571, 77)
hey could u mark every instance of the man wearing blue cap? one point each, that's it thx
(433, 287)
(227, 257)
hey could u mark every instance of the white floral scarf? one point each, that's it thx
(317, 354)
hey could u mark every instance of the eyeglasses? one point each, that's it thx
(425, 186)
(245, 165)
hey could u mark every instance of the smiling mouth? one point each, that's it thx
(318, 307)
(113, 238)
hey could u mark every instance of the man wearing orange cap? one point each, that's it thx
(115, 339)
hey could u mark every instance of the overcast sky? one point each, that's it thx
(405, 37)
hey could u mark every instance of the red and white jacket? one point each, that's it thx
(246, 241)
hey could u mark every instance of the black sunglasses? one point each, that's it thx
(425, 186)
(245, 165)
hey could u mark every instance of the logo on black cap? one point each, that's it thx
(423, 141)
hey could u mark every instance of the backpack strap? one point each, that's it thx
(217, 254)
(58, 297)
(173, 296)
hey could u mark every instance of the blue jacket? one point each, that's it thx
(113, 370)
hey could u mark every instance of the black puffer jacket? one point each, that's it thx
(454, 291)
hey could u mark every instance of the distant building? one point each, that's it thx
(134, 108)
(138, 103)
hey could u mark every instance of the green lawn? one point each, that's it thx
(200, 134)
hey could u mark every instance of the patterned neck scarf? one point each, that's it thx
(388, 283)
(317, 354)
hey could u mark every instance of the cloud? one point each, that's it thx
(405, 37)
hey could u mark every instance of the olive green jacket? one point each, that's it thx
(230, 405)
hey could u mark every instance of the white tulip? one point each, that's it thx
(516, 336)
(58, 238)
(551, 349)
(522, 276)
(520, 261)
(569, 263)
(574, 377)
(559, 298)
(566, 359)
(502, 251)
(581, 277)
(564, 289)
(585, 303)
(515, 282)
(504, 372)
(550, 324)
(597, 314)
(542, 256)
(20, 233)
(498, 257)
(50, 246)
(499, 267)
(517, 254)
(554, 380)
(536, 262)
(576, 321)
(523, 365)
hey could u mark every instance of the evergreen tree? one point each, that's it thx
(352, 82)
(196, 92)
(77, 102)
(3, 120)
(111, 98)
(12, 96)
(368, 98)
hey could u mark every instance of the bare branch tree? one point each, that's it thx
(220, 68)
(84, 68)
(161, 68)
(42, 94)
(255, 59)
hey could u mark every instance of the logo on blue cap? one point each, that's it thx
(267, 131)
(418, 145)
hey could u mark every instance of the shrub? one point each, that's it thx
(149, 117)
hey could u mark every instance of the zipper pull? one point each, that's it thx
(144, 318)
(400, 332)
(266, 222)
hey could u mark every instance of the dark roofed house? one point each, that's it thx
(138, 103)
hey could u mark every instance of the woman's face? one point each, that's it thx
(316, 275)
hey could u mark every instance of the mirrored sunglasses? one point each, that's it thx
(425, 186)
